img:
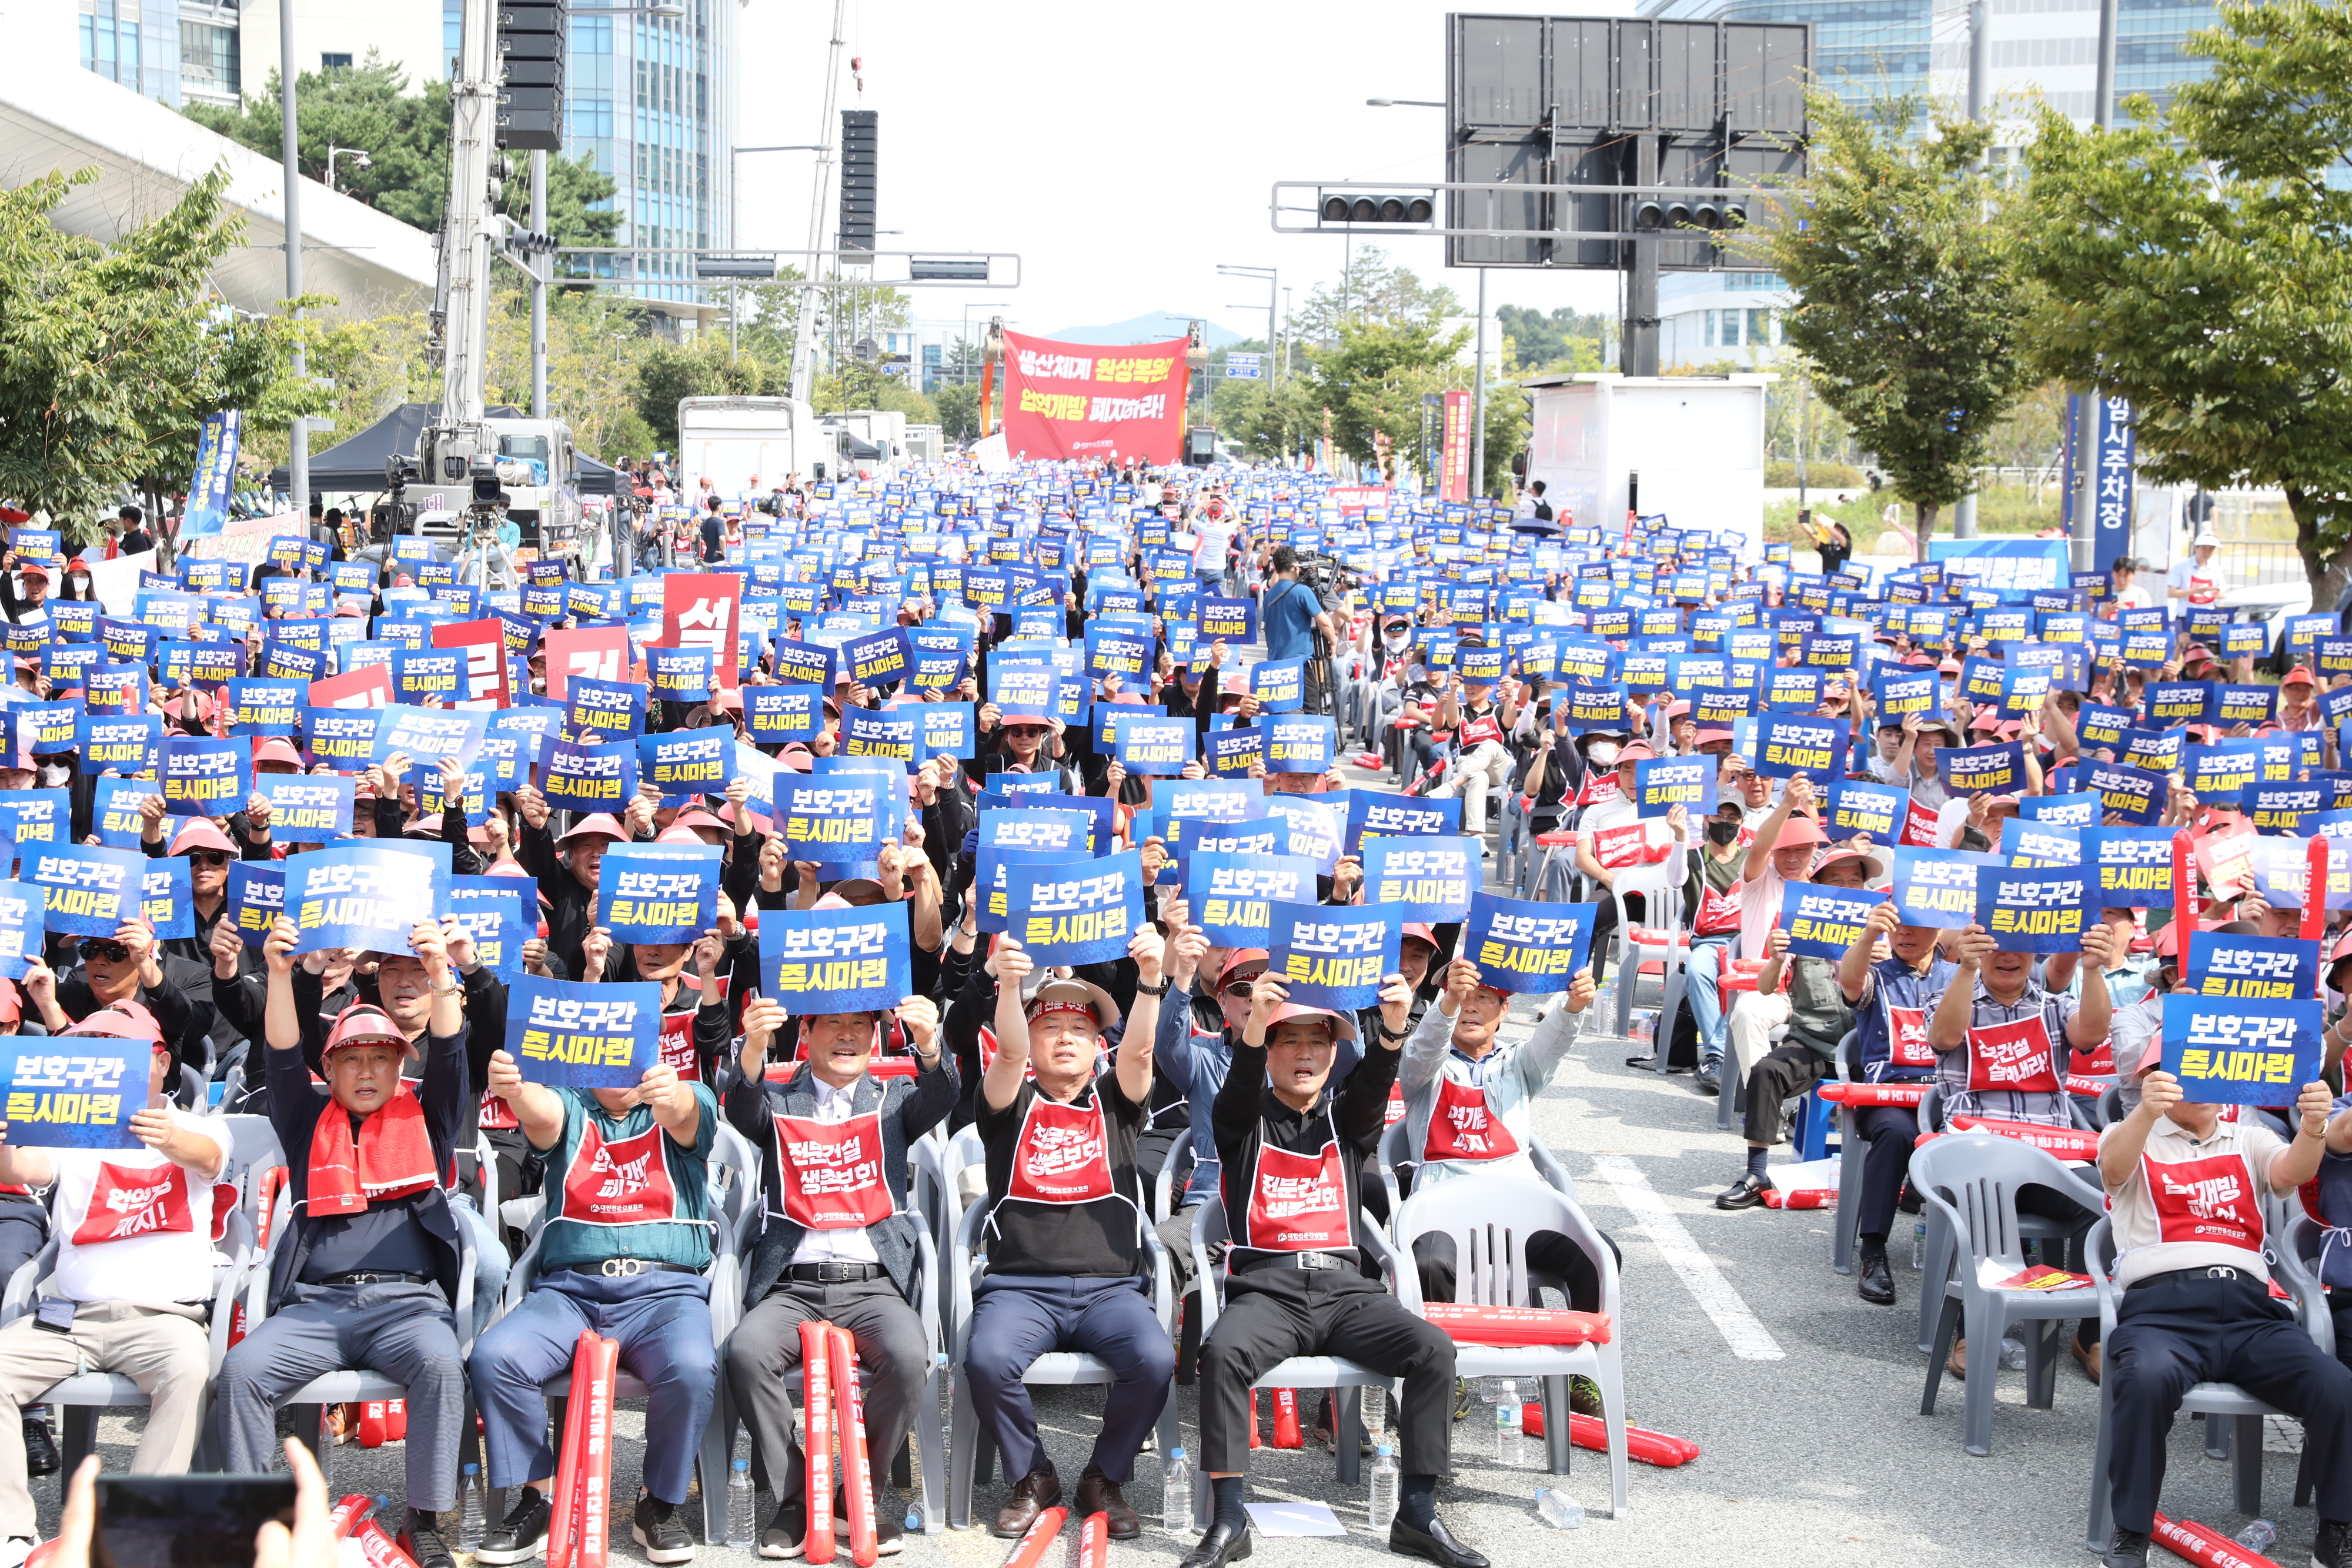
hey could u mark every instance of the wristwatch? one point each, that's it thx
(1158, 990)
(1399, 1037)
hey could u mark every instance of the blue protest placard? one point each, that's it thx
(21, 907)
(818, 961)
(35, 817)
(604, 711)
(2138, 796)
(1231, 898)
(1898, 691)
(589, 778)
(207, 776)
(1937, 887)
(1224, 620)
(884, 739)
(1430, 880)
(342, 739)
(256, 897)
(686, 764)
(114, 810)
(829, 819)
(1299, 743)
(1790, 743)
(42, 730)
(1083, 914)
(1982, 769)
(1856, 808)
(1334, 956)
(944, 729)
(1372, 813)
(1123, 651)
(877, 659)
(680, 674)
(782, 714)
(85, 892)
(2131, 867)
(116, 689)
(659, 892)
(2261, 968)
(804, 664)
(1663, 783)
(581, 1036)
(497, 915)
(1822, 921)
(72, 1091)
(1279, 684)
(2035, 910)
(119, 744)
(362, 895)
(2030, 844)
(1156, 747)
(1022, 691)
(1231, 753)
(308, 808)
(2231, 1051)
(166, 896)
(1526, 947)
(428, 735)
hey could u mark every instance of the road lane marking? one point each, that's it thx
(1749, 1339)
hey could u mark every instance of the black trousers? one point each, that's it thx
(1273, 1312)
(1890, 1131)
(1550, 1256)
(1786, 1070)
(766, 1345)
(2182, 1329)
(1604, 925)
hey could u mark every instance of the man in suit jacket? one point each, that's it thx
(836, 1241)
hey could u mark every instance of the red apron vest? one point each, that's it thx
(1485, 726)
(1907, 1039)
(2012, 1056)
(2211, 1199)
(135, 1200)
(1718, 913)
(831, 1172)
(1298, 1203)
(622, 1182)
(677, 1046)
(1463, 1126)
(496, 1115)
(1062, 1155)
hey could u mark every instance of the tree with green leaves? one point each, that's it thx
(1568, 338)
(116, 352)
(1371, 288)
(2198, 262)
(406, 138)
(1910, 305)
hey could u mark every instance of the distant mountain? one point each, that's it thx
(1156, 328)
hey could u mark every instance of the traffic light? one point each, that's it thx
(857, 145)
(530, 38)
(1354, 209)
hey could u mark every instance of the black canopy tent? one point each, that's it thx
(355, 466)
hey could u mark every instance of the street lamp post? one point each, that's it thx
(1273, 285)
(357, 155)
(298, 438)
(734, 189)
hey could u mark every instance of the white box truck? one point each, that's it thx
(734, 441)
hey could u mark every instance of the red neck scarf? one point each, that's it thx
(393, 1157)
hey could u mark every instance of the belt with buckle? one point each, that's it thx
(2215, 1271)
(366, 1277)
(832, 1273)
(629, 1267)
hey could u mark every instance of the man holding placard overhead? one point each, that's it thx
(623, 1252)
(369, 1273)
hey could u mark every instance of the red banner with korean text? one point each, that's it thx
(1454, 466)
(1092, 400)
(702, 609)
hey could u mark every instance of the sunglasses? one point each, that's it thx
(208, 857)
(1242, 988)
(106, 948)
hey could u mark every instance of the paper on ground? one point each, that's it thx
(1294, 1518)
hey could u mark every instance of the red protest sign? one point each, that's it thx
(599, 652)
(484, 643)
(1089, 400)
(370, 687)
(704, 610)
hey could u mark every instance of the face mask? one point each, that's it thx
(1603, 754)
(1395, 640)
(53, 774)
(1721, 833)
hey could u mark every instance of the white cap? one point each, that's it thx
(2206, 536)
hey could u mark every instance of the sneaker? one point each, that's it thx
(2332, 1547)
(660, 1528)
(2129, 1549)
(40, 1448)
(422, 1540)
(1706, 1082)
(1585, 1396)
(523, 1535)
(1747, 1192)
(787, 1533)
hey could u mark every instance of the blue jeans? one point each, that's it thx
(1016, 1319)
(1705, 996)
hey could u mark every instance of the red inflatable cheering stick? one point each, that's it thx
(1094, 1542)
(2187, 1538)
(1286, 1434)
(849, 1420)
(1031, 1552)
(559, 1540)
(816, 1419)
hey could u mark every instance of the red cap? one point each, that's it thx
(1342, 1028)
(676, 834)
(1236, 959)
(1872, 870)
(727, 700)
(277, 748)
(506, 866)
(1635, 751)
(123, 1021)
(1414, 928)
(1707, 736)
(363, 1023)
(35, 569)
(796, 759)
(2300, 672)
(599, 824)
(1799, 832)
(200, 834)
(2194, 652)
(696, 817)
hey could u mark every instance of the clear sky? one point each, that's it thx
(1122, 149)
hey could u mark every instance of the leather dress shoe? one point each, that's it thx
(1876, 1285)
(1436, 1543)
(1747, 1192)
(2089, 1357)
(1222, 1544)
(1097, 1493)
(1032, 1495)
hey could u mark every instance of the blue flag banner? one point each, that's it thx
(21, 908)
(207, 776)
(602, 711)
(362, 895)
(498, 915)
(1982, 769)
(2043, 910)
(1335, 955)
(1937, 887)
(2262, 968)
(828, 819)
(686, 764)
(206, 511)
(1158, 748)
(308, 808)
(816, 961)
(1822, 921)
(1664, 782)
(428, 735)
(72, 1091)
(85, 892)
(1231, 898)
(781, 714)
(1279, 684)
(659, 892)
(256, 896)
(1855, 808)
(2137, 796)
(1076, 913)
(2229, 1050)
(1788, 744)
(580, 1036)
(1430, 881)
(167, 897)
(1299, 743)
(589, 778)
(1526, 947)
(1374, 814)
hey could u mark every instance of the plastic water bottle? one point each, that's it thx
(1510, 1440)
(1380, 1491)
(1176, 1492)
(1490, 1389)
(2012, 1354)
(1557, 1509)
(742, 1506)
(472, 1505)
(1374, 1409)
(2258, 1536)
(1919, 1248)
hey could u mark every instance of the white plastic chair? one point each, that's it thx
(1396, 1149)
(1667, 945)
(1054, 1368)
(1489, 1219)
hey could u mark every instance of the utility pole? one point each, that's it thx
(1478, 399)
(1964, 515)
(298, 436)
(540, 266)
(2086, 404)
(804, 348)
(1637, 353)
